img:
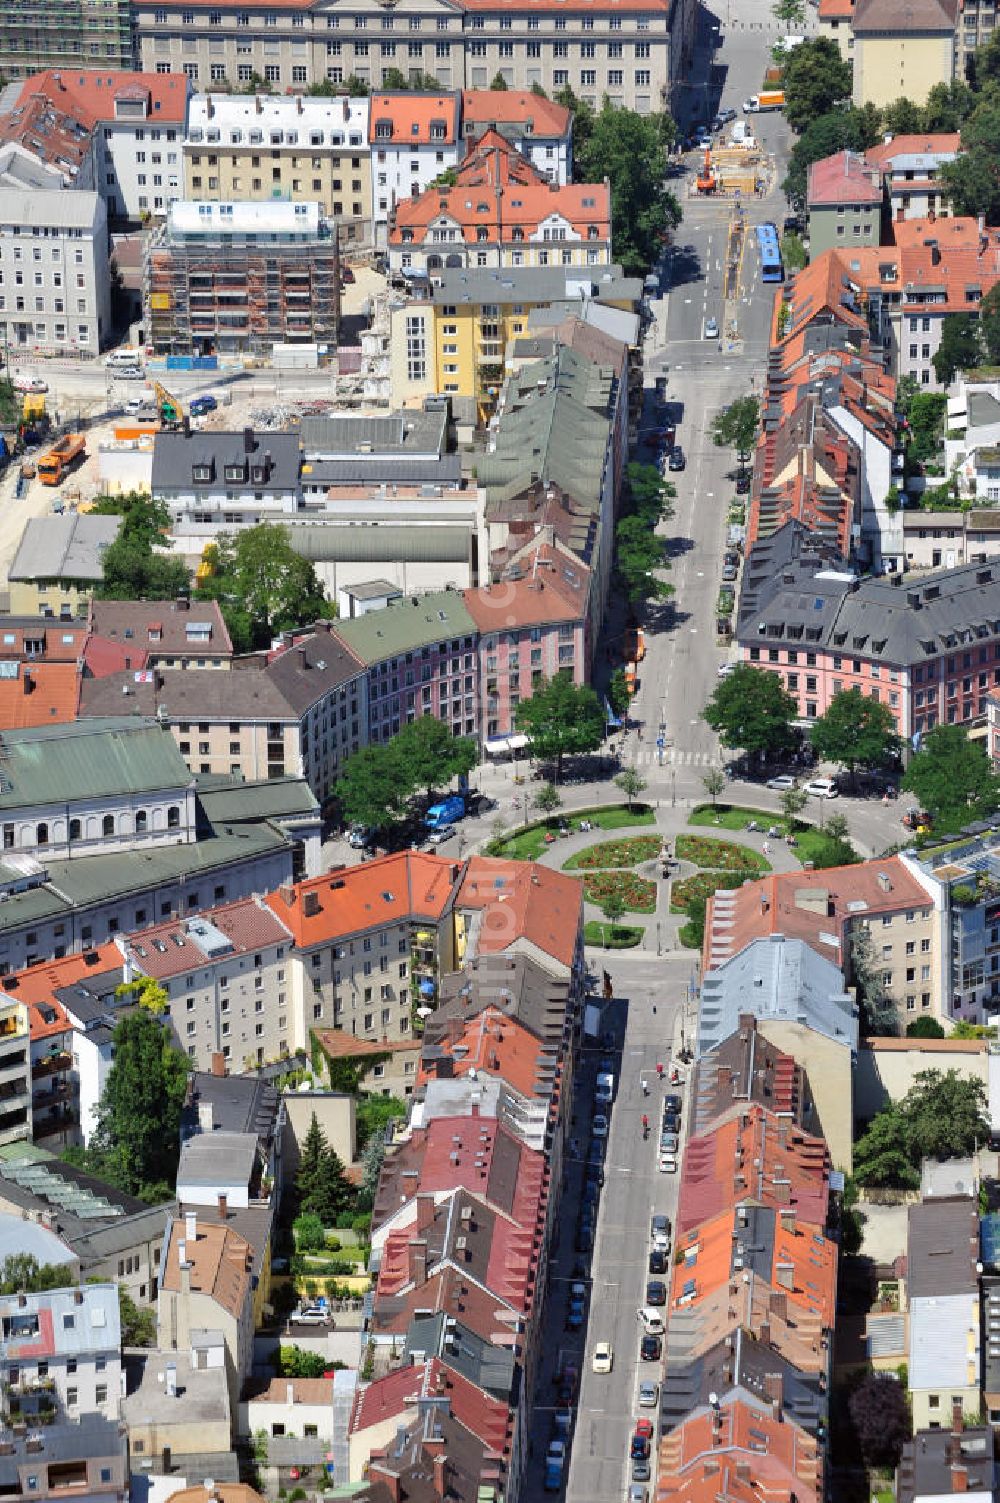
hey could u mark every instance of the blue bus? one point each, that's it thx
(771, 269)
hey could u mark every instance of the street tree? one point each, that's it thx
(613, 909)
(952, 778)
(639, 557)
(855, 730)
(631, 783)
(618, 695)
(321, 1185)
(430, 755)
(647, 494)
(881, 1417)
(548, 798)
(735, 427)
(793, 252)
(815, 78)
(139, 1116)
(713, 781)
(793, 801)
(752, 711)
(372, 789)
(960, 348)
(628, 150)
(263, 584)
(791, 13)
(561, 719)
(948, 106)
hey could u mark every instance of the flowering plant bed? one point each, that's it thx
(638, 895)
(722, 855)
(701, 885)
(627, 852)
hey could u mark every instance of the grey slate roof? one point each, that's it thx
(415, 433)
(240, 1104)
(749, 1369)
(776, 978)
(491, 1368)
(909, 17)
(942, 1248)
(70, 547)
(533, 284)
(925, 1467)
(891, 620)
(445, 472)
(176, 454)
(217, 1158)
(90, 759)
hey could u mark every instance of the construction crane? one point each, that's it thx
(706, 179)
(171, 411)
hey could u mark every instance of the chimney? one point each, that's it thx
(425, 1211)
(171, 1380)
(774, 1387)
(959, 1479)
(289, 1394)
(223, 1207)
(957, 1417)
(784, 1274)
(191, 1226)
(218, 1063)
(310, 904)
(303, 659)
(181, 1251)
(257, 104)
(440, 1464)
(778, 1305)
(389, 1480)
(765, 1333)
(248, 443)
(186, 1278)
(206, 1116)
(166, 1456)
(417, 1261)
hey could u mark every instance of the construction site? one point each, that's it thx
(239, 282)
(734, 171)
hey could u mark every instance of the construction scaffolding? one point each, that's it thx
(222, 295)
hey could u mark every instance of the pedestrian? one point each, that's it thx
(645, 1087)
(659, 1072)
(766, 848)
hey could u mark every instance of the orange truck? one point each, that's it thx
(61, 457)
(635, 644)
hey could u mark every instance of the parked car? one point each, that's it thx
(672, 1102)
(595, 1153)
(641, 1471)
(669, 1142)
(821, 788)
(200, 405)
(780, 782)
(553, 1476)
(658, 1261)
(711, 328)
(604, 1357)
(637, 1493)
(650, 1348)
(438, 837)
(649, 1394)
(576, 1314)
(743, 485)
(668, 1163)
(656, 1292)
(726, 115)
(584, 1239)
(676, 460)
(729, 573)
(671, 1122)
(599, 1125)
(639, 1447)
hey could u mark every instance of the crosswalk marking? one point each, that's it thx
(648, 756)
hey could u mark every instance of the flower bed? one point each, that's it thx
(720, 855)
(638, 895)
(615, 853)
(701, 885)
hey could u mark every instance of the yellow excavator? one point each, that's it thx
(171, 411)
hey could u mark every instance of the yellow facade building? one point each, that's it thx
(902, 48)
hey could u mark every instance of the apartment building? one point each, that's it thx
(206, 1284)
(131, 123)
(834, 21)
(965, 889)
(58, 563)
(298, 148)
(901, 50)
(453, 338)
(910, 170)
(532, 625)
(15, 1071)
(844, 199)
(52, 34)
(636, 51)
(942, 1284)
(213, 481)
(299, 712)
(88, 1460)
(421, 658)
(501, 211)
(167, 634)
(238, 277)
(538, 128)
(226, 975)
(62, 1354)
(414, 138)
(56, 273)
(369, 942)
(928, 649)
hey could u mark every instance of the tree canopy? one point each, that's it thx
(924, 412)
(135, 565)
(561, 719)
(640, 558)
(735, 427)
(752, 711)
(952, 778)
(815, 77)
(139, 1117)
(263, 585)
(855, 730)
(960, 349)
(881, 1418)
(629, 150)
(321, 1186)
(21, 1273)
(430, 755)
(943, 1115)
(369, 788)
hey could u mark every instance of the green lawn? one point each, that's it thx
(638, 894)
(719, 855)
(629, 851)
(624, 936)
(528, 845)
(810, 840)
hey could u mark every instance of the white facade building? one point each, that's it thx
(414, 138)
(62, 1352)
(56, 282)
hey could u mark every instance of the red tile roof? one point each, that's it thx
(171, 948)
(388, 890)
(411, 116)
(38, 983)
(798, 905)
(494, 1044)
(523, 902)
(803, 1262)
(398, 1396)
(742, 1454)
(835, 10)
(754, 1156)
(515, 107)
(555, 591)
(60, 641)
(102, 657)
(941, 143)
(40, 694)
(843, 178)
(91, 93)
(513, 200)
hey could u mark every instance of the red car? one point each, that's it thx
(644, 1426)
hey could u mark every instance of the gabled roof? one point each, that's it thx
(841, 179)
(555, 590)
(934, 145)
(92, 92)
(176, 945)
(737, 1452)
(400, 1393)
(518, 107)
(517, 985)
(747, 1068)
(776, 978)
(523, 903)
(410, 118)
(88, 759)
(907, 17)
(220, 1262)
(163, 627)
(469, 1152)
(754, 1156)
(38, 694)
(491, 1043)
(390, 889)
(788, 1254)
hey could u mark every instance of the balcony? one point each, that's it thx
(59, 1059)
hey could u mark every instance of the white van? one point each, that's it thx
(123, 357)
(652, 1321)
